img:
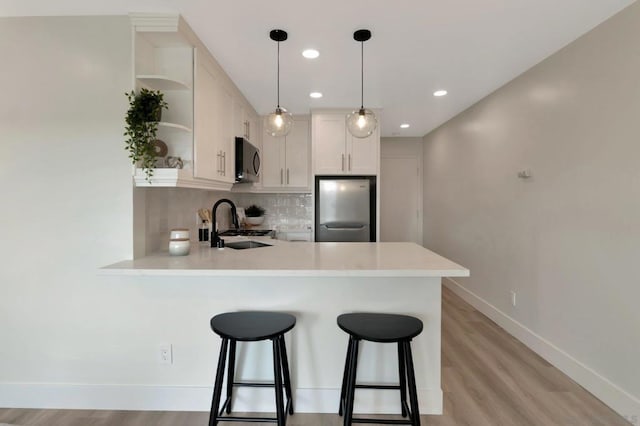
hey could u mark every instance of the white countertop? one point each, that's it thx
(285, 258)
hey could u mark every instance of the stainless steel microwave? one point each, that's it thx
(247, 161)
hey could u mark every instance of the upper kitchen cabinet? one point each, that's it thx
(337, 152)
(285, 160)
(246, 123)
(213, 141)
(199, 126)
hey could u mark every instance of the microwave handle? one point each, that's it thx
(256, 163)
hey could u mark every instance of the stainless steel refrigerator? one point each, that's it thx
(345, 208)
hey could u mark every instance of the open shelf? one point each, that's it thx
(166, 177)
(174, 126)
(161, 82)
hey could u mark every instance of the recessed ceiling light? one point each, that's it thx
(315, 95)
(439, 93)
(404, 126)
(310, 53)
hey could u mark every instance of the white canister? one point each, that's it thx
(179, 246)
(179, 233)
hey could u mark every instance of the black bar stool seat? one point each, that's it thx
(252, 327)
(380, 328)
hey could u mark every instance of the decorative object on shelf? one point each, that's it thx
(145, 110)
(279, 122)
(161, 148)
(362, 122)
(173, 162)
(161, 152)
(254, 215)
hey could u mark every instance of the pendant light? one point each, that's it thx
(361, 122)
(279, 122)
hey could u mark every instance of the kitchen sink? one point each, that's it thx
(241, 245)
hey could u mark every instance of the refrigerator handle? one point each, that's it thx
(350, 228)
(343, 225)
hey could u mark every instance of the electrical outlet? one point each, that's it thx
(166, 354)
(513, 298)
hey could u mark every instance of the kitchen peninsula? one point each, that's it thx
(316, 282)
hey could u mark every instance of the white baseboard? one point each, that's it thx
(198, 398)
(608, 392)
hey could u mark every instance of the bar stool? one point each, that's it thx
(236, 327)
(381, 328)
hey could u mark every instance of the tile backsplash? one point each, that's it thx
(283, 211)
(168, 208)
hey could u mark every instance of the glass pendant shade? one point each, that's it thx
(278, 123)
(361, 123)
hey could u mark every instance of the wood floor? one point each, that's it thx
(488, 378)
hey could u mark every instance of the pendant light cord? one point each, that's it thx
(361, 75)
(278, 84)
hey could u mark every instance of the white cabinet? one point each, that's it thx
(337, 152)
(285, 160)
(205, 150)
(225, 138)
(213, 141)
(245, 123)
(363, 154)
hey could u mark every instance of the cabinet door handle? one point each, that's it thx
(343, 162)
(349, 162)
(281, 182)
(224, 163)
(287, 176)
(219, 162)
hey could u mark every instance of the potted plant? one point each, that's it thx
(254, 214)
(145, 110)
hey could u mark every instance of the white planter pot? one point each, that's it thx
(254, 220)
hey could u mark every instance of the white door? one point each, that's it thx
(400, 200)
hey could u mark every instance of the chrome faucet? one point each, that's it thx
(215, 238)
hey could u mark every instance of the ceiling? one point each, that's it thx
(468, 47)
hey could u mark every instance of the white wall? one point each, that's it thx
(66, 191)
(567, 239)
(70, 337)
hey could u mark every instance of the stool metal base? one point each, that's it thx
(407, 380)
(282, 380)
